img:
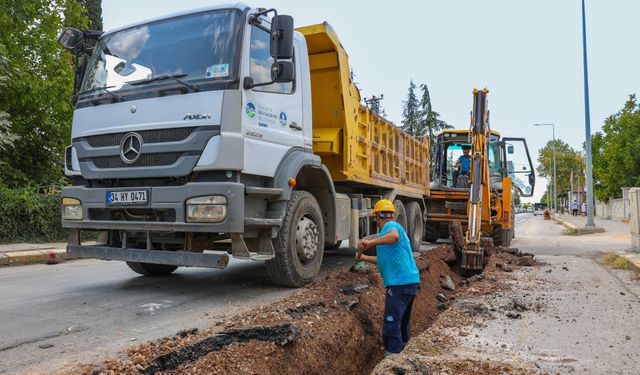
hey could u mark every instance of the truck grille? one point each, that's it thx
(148, 136)
(145, 160)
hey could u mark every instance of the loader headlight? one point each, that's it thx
(71, 209)
(207, 209)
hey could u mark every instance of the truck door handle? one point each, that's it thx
(295, 126)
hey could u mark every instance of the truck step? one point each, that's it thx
(260, 222)
(263, 192)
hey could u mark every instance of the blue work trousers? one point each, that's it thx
(397, 315)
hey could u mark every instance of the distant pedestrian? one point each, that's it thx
(584, 208)
(574, 207)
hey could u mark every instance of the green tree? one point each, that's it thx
(567, 160)
(429, 122)
(411, 113)
(94, 13)
(615, 151)
(7, 136)
(37, 94)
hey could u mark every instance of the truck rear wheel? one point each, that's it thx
(401, 214)
(415, 225)
(299, 246)
(151, 269)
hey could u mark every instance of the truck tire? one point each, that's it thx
(299, 245)
(415, 225)
(401, 214)
(432, 231)
(151, 269)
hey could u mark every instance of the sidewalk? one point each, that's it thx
(30, 253)
(611, 226)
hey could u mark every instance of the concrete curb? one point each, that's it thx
(578, 230)
(32, 256)
(633, 258)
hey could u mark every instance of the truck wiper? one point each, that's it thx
(175, 77)
(113, 95)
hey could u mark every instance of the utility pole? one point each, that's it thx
(374, 103)
(587, 123)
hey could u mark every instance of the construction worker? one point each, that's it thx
(399, 273)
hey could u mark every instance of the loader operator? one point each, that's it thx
(399, 273)
(462, 165)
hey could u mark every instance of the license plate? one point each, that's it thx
(128, 198)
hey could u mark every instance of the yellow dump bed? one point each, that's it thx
(355, 143)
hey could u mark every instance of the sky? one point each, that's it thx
(527, 53)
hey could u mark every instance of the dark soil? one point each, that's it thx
(331, 326)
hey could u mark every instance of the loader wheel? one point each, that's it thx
(299, 246)
(415, 224)
(151, 269)
(401, 214)
(432, 231)
(501, 237)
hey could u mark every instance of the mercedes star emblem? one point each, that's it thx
(130, 147)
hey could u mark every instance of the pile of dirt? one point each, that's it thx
(331, 326)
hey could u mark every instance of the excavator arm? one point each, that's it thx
(479, 199)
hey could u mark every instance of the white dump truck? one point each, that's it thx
(222, 131)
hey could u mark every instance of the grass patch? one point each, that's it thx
(616, 261)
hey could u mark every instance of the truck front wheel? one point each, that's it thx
(151, 269)
(299, 246)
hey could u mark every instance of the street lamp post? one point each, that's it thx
(553, 133)
(587, 124)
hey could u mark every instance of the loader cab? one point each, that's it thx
(449, 147)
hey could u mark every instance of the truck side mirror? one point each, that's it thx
(71, 38)
(532, 179)
(282, 37)
(282, 72)
(510, 149)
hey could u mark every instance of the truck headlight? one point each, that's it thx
(71, 209)
(207, 209)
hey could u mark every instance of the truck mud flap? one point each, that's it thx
(175, 258)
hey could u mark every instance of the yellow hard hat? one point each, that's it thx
(383, 205)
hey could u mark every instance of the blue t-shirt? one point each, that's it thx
(395, 261)
(465, 163)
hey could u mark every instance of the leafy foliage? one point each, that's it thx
(567, 160)
(94, 13)
(615, 152)
(30, 214)
(36, 93)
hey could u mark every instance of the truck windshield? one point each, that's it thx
(197, 47)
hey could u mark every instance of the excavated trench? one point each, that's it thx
(331, 326)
